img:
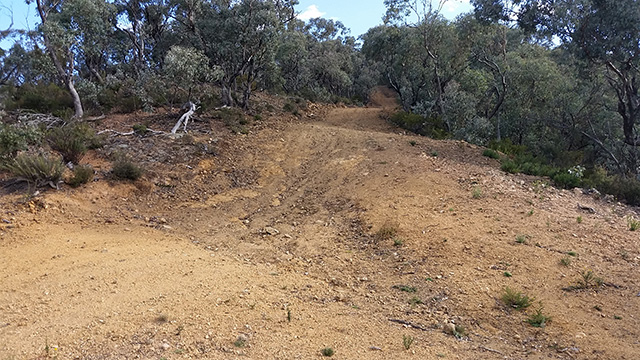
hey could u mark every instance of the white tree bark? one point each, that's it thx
(185, 117)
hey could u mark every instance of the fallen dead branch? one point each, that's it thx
(410, 324)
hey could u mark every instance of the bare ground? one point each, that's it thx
(187, 263)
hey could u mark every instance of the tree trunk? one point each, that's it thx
(65, 71)
(77, 104)
(227, 99)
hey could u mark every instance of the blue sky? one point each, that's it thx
(357, 15)
(361, 15)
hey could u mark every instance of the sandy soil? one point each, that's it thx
(268, 246)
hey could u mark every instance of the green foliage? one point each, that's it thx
(432, 127)
(515, 299)
(521, 239)
(72, 141)
(234, 119)
(327, 352)
(587, 280)
(405, 288)
(14, 139)
(633, 223)
(36, 169)
(538, 319)
(41, 98)
(565, 261)
(82, 174)
(491, 154)
(506, 146)
(476, 193)
(125, 169)
(407, 341)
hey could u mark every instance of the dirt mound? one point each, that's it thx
(330, 230)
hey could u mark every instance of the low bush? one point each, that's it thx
(81, 175)
(14, 139)
(125, 169)
(36, 169)
(432, 127)
(491, 154)
(72, 141)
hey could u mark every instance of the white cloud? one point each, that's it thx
(311, 12)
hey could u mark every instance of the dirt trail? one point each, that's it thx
(269, 250)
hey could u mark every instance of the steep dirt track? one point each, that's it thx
(117, 271)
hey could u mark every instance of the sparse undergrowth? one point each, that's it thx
(125, 169)
(36, 169)
(516, 299)
(82, 174)
(587, 280)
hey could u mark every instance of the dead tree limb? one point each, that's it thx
(185, 117)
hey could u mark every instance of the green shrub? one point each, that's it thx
(491, 154)
(14, 139)
(47, 99)
(233, 119)
(140, 129)
(432, 127)
(123, 168)
(515, 299)
(566, 180)
(72, 141)
(538, 319)
(509, 166)
(328, 352)
(36, 169)
(506, 146)
(81, 175)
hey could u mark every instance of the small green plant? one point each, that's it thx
(579, 219)
(530, 213)
(633, 223)
(123, 168)
(82, 174)
(288, 315)
(516, 299)
(397, 241)
(413, 143)
(521, 239)
(476, 193)
(407, 340)
(617, 317)
(434, 153)
(387, 231)
(241, 341)
(140, 129)
(405, 288)
(415, 301)
(507, 274)
(538, 319)
(572, 253)
(328, 352)
(565, 261)
(587, 280)
(36, 169)
(597, 307)
(491, 154)
(460, 331)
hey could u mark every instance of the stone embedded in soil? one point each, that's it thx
(449, 328)
(270, 231)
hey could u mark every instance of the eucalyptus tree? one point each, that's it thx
(72, 30)
(603, 32)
